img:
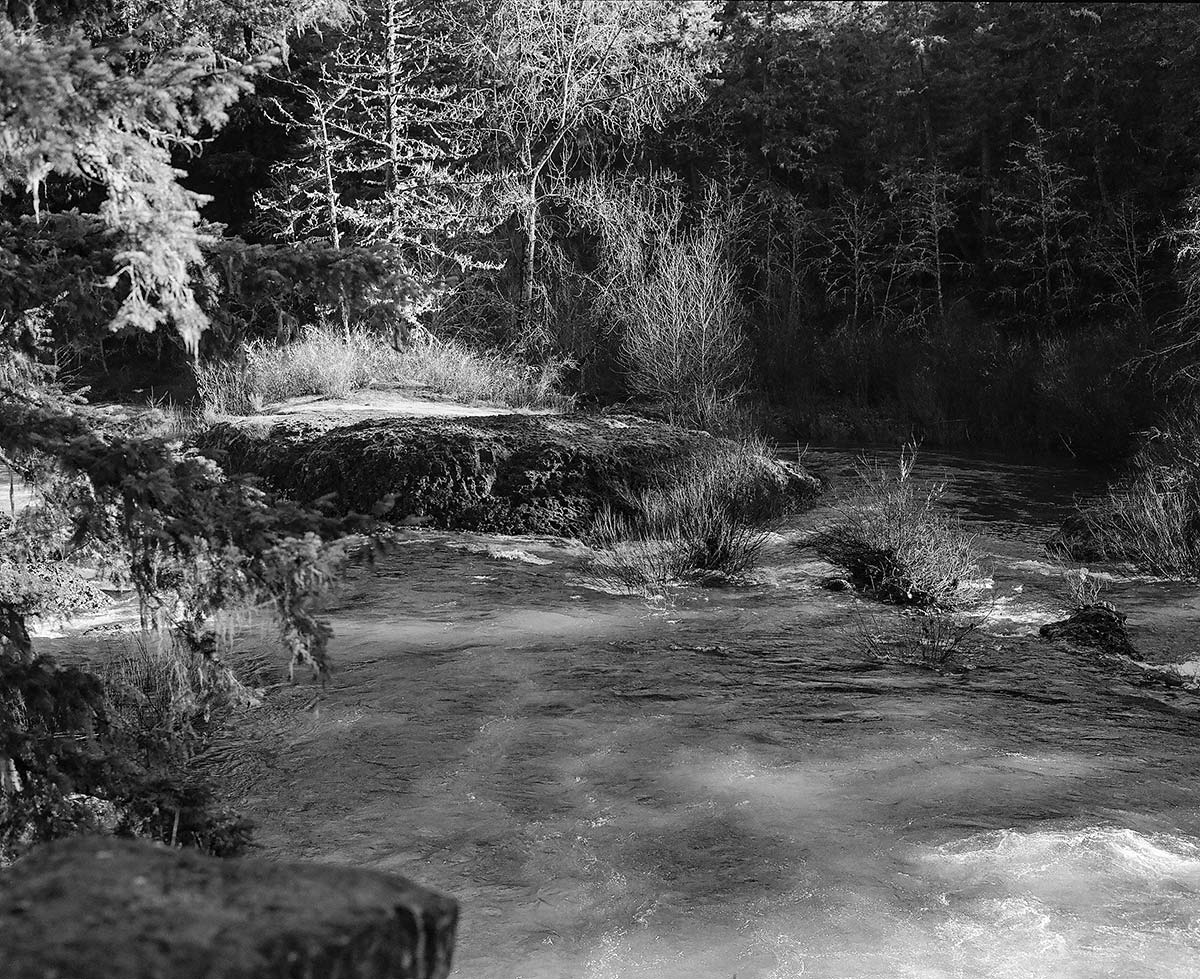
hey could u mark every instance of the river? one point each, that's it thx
(724, 783)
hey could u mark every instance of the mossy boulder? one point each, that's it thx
(97, 906)
(1099, 626)
(501, 473)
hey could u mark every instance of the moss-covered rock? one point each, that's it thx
(1099, 626)
(102, 907)
(503, 473)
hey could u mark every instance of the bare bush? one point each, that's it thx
(930, 637)
(1081, 589)
(668, 281)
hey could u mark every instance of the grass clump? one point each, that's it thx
(705, 520)
(1151, 518)
(895, 540)
(334, 363)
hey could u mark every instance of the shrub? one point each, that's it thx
(1082, 590)
(705, 520)
(669, 282)
(334, 363)
(930, 637)
(895, 541)
(1151, 518)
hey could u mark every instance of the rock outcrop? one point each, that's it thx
(500, 473)
(102, 907)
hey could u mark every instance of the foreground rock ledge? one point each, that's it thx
(500, 473)
(122, 909)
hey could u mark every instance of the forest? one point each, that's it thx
(615, 259)
(969, 223)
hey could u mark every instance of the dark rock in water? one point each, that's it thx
(98, 906)
(501, 473)
(1098, 626)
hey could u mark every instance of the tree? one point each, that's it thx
(1040, 225)
(554, 76)
(106, 116)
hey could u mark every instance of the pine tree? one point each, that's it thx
(105, 117)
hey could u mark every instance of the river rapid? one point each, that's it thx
(725, 783)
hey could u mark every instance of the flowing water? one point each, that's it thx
(727, 784)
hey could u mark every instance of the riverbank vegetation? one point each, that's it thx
(969, 224)
(703, 520)
(972, 223)
(894, 538)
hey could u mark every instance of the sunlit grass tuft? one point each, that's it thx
(335, 363)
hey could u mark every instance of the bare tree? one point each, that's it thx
(554, 72)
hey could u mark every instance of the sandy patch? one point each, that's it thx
(373, 403)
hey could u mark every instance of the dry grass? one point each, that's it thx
(1081, 589)
(1152, 517)
(704, 520)
(334, 363)
(895, 540)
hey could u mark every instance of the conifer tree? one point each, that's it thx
(100, 119)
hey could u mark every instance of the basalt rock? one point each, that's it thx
(1100, 627)
(98, 906)
(501, 473)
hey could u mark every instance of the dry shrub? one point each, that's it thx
(928, 637)
(895, 540)
(668, 281)
(1082, 590)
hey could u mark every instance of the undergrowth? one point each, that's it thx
(111, 750)
(335, 363)
(895, 540)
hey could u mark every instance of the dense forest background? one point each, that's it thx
(969, 222)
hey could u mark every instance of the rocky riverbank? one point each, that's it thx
(500, 473)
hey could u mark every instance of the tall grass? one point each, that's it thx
(705, 519)
(1152, 517)
(894, 538)
(334, 363)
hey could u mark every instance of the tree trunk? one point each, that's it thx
(391, 31)
(528, 259)
(14, 645)
(14, 637)
(985, 204)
